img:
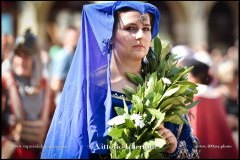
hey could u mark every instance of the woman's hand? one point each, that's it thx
(169, 137)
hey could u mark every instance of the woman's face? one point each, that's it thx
(23, 64)
(133, 35)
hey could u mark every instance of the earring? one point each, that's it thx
(111, 43)
(145, 60)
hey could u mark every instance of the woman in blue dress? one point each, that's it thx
(115, 38)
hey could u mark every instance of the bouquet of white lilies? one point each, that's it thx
(163, 95)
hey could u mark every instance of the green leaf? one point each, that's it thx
(120, 144)
(140, 137)
(115, 132)
(150, 96)
(148, 117)
(119, 110)
(128, 91)
(172, 71)
(140, 91)
(169, 93)
(182, 89)
(177, 110)
(125, 107)
(176, 119)
(113, 152)
(169, 118)
(166, 108)
(165, 51)
(137, 103)
(161, 68)
(184, 120)
(183, 73)
(158, 153)
(150, 84)
(191, 84)
(172, 101)
(156, 100)
(159, 87)
(135, 78)
(159, 115)
(155, 134)
(133, 154)
(122, 154)
(147, 103)
(195, 91)
(129, 123)
(158, 122)
(126, 135)
(192, 104)
(174, 115)
(157, 46)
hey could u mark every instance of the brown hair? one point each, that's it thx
(126, 9)
(21, 48)
(200, 70)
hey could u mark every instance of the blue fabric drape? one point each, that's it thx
(79, 125)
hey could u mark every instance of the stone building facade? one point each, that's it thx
(182, 22)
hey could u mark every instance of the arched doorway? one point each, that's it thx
(221, 27)
(166, 20)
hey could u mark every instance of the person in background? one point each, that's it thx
(7, 51)
(228, 77)
(182, 52)
(61, 62)
(228, 87)
(209, 120)
(25, 111)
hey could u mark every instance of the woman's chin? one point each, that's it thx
(139, 56)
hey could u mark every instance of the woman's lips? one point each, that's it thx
(138, 46)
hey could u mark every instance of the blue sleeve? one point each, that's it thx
(186, 136)
(187, 143)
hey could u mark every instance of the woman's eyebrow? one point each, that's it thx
(145, 24)
(130, 24)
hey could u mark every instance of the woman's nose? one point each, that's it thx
(139, 34)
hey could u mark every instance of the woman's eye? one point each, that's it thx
(135, 29)
(130, 28)
(146, 29)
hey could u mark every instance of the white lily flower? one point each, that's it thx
(139, 123)
(166, 81)
(135, 117)
(117, 120)
(138, 120)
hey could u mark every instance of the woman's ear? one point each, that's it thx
(111, 42)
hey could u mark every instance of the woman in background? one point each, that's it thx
(25, 113)
(209, 121)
